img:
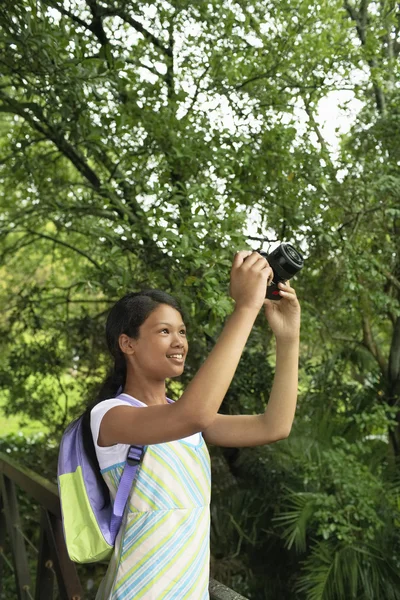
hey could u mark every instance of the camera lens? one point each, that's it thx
(285, 261)
(293, 255)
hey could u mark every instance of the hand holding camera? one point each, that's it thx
(249, 277)
(258, 279)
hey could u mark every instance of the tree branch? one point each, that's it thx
(320, 137)
(360, 213)
(361, 20)
(33, 114)
(67, 13)
(62, 243)
(368, 338)
(197, 90)
(114, 12)
(39, 122)
(95, 26)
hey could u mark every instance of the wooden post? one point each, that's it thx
(45, 572)
(68, 582)
(2, 539)
(13, 522)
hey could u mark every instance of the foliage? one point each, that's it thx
(137, 140)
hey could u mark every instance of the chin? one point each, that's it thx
(178, 371)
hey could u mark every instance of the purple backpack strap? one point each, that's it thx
(125, 485)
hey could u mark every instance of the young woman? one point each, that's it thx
(162, 549)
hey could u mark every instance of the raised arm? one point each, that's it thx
(199, 404)
(275, 424)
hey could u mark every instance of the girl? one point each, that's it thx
(162, 549)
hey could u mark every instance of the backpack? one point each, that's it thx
(90, 521)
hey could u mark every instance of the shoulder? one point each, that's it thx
(97, 413)
(105, 405)
(118, 451)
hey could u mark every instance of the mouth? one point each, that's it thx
(177, 358)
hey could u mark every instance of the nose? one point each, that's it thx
(178, 344)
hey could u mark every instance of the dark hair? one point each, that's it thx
(126, 316)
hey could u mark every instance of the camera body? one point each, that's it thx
(285, 261)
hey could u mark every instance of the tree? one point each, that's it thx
(121, 170)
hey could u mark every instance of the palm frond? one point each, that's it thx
(296, 520)
(334, 571)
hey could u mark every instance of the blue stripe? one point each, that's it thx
(198, 445)
(144, 524)
(159, 561)
(193, 573)
(190, 574)
(204, 459)
(180, 474)
(155, 562)
(121, 464)
(170, 459)
(146, 485)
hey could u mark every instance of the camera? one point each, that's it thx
(285, 261)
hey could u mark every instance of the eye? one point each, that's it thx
(165, 329)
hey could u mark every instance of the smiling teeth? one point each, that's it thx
(175, 356)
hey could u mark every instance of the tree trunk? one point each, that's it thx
(393, 384)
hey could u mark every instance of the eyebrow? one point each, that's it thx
(165, 323)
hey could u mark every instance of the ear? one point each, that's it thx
(126, 344)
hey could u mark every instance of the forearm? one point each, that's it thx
(281, 407)
(203, 396)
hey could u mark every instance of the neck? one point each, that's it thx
(152, 393)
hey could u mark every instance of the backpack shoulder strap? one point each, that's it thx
(133, 460)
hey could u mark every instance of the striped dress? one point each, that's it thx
(162, 549)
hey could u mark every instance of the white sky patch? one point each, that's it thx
(334, 119)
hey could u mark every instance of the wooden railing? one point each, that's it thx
(53, 563)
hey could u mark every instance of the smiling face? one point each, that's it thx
(162, 335)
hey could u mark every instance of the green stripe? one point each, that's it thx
(164, 463)
(146, 499)
(174, 558)
(194, 479)
(155, 478)
(186, 566)
(206, 474)
(143, 538)
(151, 552)
(190, 475)
(202, 590)
(120, 464)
